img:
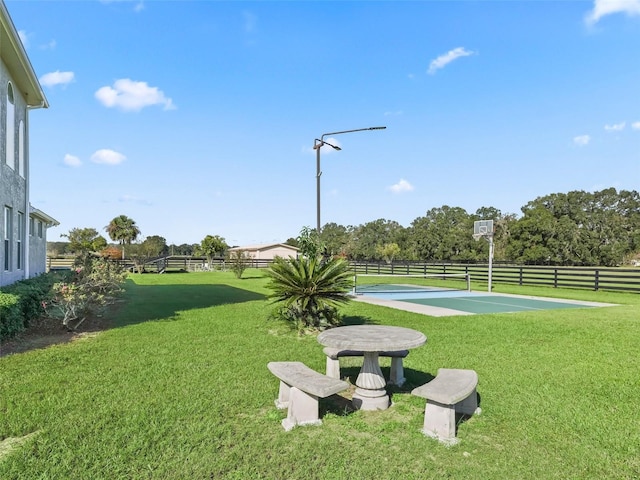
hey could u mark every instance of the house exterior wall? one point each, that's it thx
(13, 186)
(17, 77)
(38, 248)
(268, 252)
(278, 251)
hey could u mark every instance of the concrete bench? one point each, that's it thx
(451, 391)
(300, 389)
(397, 368)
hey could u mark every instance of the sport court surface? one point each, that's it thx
(440, 302)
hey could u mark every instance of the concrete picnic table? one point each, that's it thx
(370, 391)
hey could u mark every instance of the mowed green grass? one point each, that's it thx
(180, 390)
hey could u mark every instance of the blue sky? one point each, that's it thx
(199, 117)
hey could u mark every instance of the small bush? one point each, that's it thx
(11, 321)
(92, 286)
(32, 293)
(239, 260)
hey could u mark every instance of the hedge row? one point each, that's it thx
(21, 303)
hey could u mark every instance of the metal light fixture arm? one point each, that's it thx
(317, 144)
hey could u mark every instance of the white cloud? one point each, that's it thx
(133, 96)
(71, 161)
(49, 46)
(401, 187)
(24, 38)
(107, 157)
(581, 140)
(635, 125)
(56, 78)
(602, 8)
(447, 58)
(616, 127)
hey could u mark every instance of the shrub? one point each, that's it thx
(32, 293)
(93, 285)
(239, 261)
(309, 291)
(11, 321)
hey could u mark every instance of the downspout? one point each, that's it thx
(27, 174)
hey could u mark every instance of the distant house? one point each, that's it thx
(23, 228)
(268, 251)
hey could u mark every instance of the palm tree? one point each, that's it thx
(309, 290)
(123, 230)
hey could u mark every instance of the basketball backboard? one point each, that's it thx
(483, 228)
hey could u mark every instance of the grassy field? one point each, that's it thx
(180, 390)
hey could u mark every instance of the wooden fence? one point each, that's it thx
(592, 278)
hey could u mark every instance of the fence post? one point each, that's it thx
(597, 280)
(520, 281)
(555, 278)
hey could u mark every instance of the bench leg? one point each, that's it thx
(284, 393)
(397, 372)
(440, 422)
(303, 410)
(469, 406)
(333, 368)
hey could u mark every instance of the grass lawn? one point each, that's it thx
(180, 390)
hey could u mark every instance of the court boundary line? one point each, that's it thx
(434, 311)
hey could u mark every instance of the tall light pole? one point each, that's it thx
(317, 144)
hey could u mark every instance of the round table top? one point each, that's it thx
(372, 338)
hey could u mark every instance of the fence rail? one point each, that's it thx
(592, 278)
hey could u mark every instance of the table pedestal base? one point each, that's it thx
(370, 391)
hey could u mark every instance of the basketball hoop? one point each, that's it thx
(484, 229)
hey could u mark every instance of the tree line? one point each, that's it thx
(576, 228)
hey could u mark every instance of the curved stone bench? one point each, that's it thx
(451, 391)
(300, 389)
(397, 367)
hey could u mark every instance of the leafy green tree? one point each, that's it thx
(123, 230)
(365, 239)
(145, 251)
(55, 249)
(309, 290)
(389, 251)
(293, 242)
(212, 246)
(239, 261)
(309, 243)
(335, 238)
(84, 240)
(443, 234)
(159, 243)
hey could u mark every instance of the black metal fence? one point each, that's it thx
(592, 278)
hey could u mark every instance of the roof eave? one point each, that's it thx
(18, 63)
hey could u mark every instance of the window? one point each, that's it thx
(31, 226)
(20, 242)
(39, 229)
(21, 148)
(8, 231)
(10, 128)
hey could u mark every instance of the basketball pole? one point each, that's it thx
(490, 238)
